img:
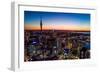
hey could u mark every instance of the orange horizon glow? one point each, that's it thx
(58, 27)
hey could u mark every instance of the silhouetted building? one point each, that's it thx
(41, 23)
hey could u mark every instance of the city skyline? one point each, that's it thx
(56, 21)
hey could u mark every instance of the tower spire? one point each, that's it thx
(41, 23)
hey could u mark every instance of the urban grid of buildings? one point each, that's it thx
(41, 45)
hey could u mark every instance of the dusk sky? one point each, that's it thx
(56, 21)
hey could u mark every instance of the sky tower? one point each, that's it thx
(41, 23)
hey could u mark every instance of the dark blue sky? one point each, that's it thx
(55, 18)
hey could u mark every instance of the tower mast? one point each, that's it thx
(41, 23)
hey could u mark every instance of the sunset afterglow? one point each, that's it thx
(56, 21)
